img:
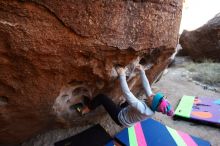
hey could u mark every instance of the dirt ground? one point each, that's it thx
(174, 83)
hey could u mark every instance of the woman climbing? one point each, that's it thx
(136, 110)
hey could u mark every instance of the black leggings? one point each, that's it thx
(112, 109)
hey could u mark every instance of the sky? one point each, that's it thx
(198, 12)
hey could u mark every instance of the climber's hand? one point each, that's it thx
(120, 70)
(139, 67)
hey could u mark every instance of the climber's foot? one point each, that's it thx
(80, 108)
(85, 110)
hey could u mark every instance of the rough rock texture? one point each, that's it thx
(52, 52)
(203, 42)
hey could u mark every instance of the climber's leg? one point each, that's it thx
(108, 104)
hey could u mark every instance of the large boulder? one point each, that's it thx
(53, 52)
(204, 42)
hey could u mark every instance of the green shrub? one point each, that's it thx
(207, 72)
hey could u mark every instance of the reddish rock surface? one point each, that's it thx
(204, 42)
(51, 52)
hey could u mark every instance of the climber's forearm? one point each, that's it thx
(131, 99)
(145, 83)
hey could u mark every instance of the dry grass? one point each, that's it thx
(207, 72)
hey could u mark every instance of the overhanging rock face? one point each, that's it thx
(52, 52)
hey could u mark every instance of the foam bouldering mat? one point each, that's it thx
(94, 136)
(153, 133)
(199, 109)
(113, 143)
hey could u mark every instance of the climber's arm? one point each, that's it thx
(131, 99)
(145, 82)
